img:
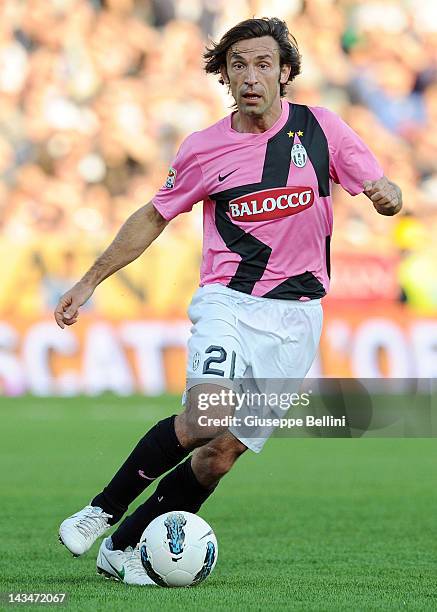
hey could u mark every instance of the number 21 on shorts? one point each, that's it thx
(218, 356)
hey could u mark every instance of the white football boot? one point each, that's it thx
(121, 565)
(79, 532)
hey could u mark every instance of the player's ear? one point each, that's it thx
(224, 74)
(285, 73)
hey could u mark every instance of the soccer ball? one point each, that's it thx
(178, 549)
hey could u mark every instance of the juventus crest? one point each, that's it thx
(299, 155)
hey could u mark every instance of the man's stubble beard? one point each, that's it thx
(254, 112)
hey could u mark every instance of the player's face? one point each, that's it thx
(254, 74)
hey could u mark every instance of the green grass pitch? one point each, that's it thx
(310, 524)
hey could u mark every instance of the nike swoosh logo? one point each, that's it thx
(206, 534)
(222, 178)
(142, 474)
(119, 574)
(161, 498)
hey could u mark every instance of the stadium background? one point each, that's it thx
(96, 96)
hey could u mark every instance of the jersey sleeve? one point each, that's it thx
(183, 186)
(351, 161)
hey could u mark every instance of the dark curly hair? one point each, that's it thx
(215, 56)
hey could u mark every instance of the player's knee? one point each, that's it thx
(201, 422)
(186, 431)
(219, 456)
(215, 465)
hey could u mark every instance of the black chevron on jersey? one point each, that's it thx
(295, 287)
(254, 253)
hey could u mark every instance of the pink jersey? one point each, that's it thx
(267, 204)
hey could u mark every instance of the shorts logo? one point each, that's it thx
(196, 361)
(271, 204)
(171, 178)
(299, 155)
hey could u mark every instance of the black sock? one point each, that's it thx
(157, 452)
(178, 490)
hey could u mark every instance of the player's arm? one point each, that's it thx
(353, 165)
(385, 196)
(135, 235)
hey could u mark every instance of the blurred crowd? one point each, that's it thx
(96, 96)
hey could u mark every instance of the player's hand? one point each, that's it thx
(385, 196)
(67, 310)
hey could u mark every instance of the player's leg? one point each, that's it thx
(288, 352)
(163, 447)
(212, 355)
(186, 487)
(157, 452)
(215, 357)
(190, 483)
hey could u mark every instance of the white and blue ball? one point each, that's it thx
(178, 549)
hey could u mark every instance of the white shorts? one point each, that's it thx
(236, 336)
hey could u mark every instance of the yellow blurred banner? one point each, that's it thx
(35, 273)
(148, 355)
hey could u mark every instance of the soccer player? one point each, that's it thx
(265, 176)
